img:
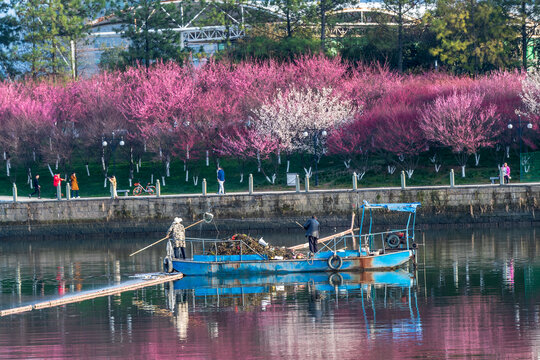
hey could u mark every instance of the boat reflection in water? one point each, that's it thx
(392, 293)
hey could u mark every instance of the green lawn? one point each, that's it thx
(332, 175)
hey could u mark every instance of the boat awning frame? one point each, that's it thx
(403, 207)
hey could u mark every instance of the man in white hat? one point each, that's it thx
(179, 237)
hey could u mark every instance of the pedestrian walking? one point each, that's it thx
(112, 180)
(57, 183)
(178, 237)
(74, 186)
(37, 187)
(312, 232)
(221, 180)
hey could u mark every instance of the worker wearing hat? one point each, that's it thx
(179, 237)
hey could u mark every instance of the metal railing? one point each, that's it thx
(208, 244)
(369, 239)
(200, 246)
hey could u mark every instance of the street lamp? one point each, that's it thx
(316, 134)
(520, 133)
(116, 139)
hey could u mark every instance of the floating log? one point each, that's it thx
(155, 280)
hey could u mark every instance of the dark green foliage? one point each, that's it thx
(8, 41)
(148, 24)
(112, 59)
(378, 45)
(263, 48)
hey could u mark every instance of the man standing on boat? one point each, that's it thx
(179, 237)
(312, 233)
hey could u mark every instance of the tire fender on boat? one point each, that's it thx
(334, 262)
(392, 241)
(168, 265)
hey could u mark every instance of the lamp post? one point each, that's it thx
(315, 134)
(520, 134)
(116, 139)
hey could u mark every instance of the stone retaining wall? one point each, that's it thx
(440, 206)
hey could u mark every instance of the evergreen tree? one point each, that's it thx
(324, 7)
(526, 15)
(148, 25)
(294, 12)
(402, 9)
(49, 32)
(9, 28)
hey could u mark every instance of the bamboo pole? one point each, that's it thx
(166, 237)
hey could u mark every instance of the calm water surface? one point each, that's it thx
(476, 294)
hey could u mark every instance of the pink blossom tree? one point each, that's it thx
(157, 106)
(24, 122)
(353, 143)
(98, 100)
(246, 143)
(461, 122)
(398, 132)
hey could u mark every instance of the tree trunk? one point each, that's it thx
(288, 14)
(462, 170)
(523, 35)
(323, 25)
(400, 37)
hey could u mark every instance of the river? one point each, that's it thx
(476, 293)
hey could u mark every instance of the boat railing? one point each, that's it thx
(370, 239)
(202, 245)
(333, 244)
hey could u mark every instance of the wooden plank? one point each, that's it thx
(92, 295)
(324, 239)
(327, 238)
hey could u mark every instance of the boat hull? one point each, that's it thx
(388, 261)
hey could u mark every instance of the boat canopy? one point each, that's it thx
(405, 207)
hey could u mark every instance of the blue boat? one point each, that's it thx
(343, 251)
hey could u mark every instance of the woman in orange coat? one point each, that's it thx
(74, 186)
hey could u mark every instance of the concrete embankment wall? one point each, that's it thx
(493, 205)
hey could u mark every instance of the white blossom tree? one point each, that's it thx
(531, 93)
(292, 114)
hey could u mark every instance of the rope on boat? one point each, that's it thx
(93, 294)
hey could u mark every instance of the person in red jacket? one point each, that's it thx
(57, 181)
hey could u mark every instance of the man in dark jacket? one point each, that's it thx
(37, 187)
(312, 233)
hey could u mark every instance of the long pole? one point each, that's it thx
(166, 237)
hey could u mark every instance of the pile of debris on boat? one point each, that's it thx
(245, 244)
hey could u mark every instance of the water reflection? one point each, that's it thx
(475, 293)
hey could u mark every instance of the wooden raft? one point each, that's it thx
(92, 294)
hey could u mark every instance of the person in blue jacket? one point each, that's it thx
(312, 233)
(221, 180)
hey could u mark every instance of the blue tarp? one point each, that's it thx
(405, 207)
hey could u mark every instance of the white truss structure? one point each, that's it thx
(217, 33)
